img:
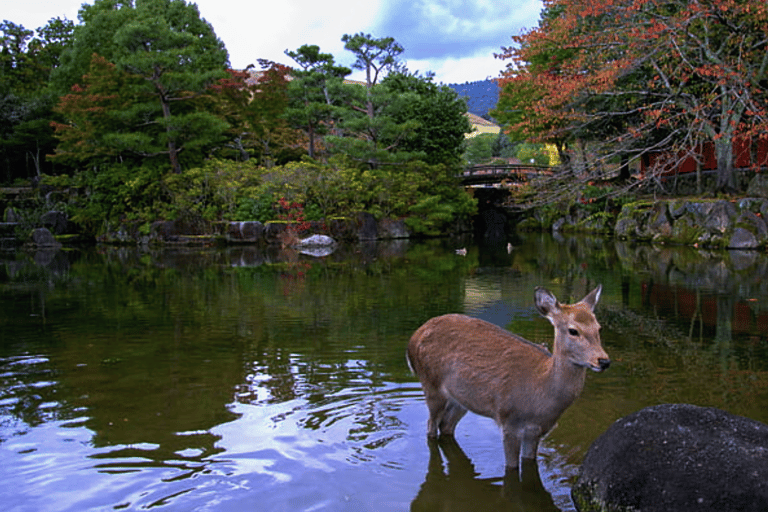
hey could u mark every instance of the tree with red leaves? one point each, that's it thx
(642, 76)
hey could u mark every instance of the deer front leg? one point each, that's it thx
(530, 441)
(512, 443)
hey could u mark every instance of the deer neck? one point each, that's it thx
(565, 378)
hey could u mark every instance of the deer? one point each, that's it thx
(468, 364)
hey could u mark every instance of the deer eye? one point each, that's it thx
(573, 332)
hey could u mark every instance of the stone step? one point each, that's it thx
(8, 244)
(8, 228)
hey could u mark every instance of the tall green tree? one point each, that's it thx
(315, 92)
(413, 118)
(16, 73)
(375, 56)
(440, 116)
(178, 56)
(27, 59)
(368, 133)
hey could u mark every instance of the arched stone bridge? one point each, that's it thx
(489, 175)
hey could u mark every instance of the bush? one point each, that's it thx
(220, 189)
(241, 191)
(115, 193)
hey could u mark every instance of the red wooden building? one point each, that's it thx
(747, 154)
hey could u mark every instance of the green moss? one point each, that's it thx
(585, 498)
(600, 222)
(632, 209)
(529, 224)
(686, 232)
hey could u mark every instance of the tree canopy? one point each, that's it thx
(27, 58)
(315, 93)
(640, 76)
(176, 55)
(137, 109)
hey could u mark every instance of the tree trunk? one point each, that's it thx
(724, 154)
(173, 151)
(624, 168)
(564, 155)
(698, 176)
(311, 135)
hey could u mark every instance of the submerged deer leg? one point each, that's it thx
(437, 405)
(530, 442)
(511, 446)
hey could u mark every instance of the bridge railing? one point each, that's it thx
(496, 173)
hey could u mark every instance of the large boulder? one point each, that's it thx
(758, 186)
(392, 229)
(56, 222)
(44, 239)
(316, 245)
(246, 231)
(11, 216)
(676, 457)
(367, 227)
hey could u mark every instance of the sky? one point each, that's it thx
(455, 39)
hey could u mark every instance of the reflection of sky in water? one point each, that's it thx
(207, 389)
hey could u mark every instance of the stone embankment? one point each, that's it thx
(706, 223)
(363, 227)
(719, 224)
(738, 224)
(54, 229)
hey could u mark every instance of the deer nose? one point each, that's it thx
(604, 363)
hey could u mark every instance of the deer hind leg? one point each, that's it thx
(452, 413)
(437, 404)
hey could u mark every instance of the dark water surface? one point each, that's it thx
(247, 380)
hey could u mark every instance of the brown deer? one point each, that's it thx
(466, 363)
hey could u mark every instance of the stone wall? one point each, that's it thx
(363, 227)
(716, 223)
(712, 223)
(738, 224)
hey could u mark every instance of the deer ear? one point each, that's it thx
(546, 303)
(592, 298)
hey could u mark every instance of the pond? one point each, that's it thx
(246, 379)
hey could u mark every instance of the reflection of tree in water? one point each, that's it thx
(28, 393)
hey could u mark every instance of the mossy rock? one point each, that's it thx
(676, 457)
(529, 224)
(601, 222)
(687, 231)
(758, 186)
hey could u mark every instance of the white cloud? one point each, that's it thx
(33, 14)
(268, 29)
(454, 38)
(459, 70)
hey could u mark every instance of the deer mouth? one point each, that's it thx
(602, 365)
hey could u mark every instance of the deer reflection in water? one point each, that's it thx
(456, 486)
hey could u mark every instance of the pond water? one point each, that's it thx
(241, 379)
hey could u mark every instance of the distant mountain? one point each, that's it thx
(481, 96)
